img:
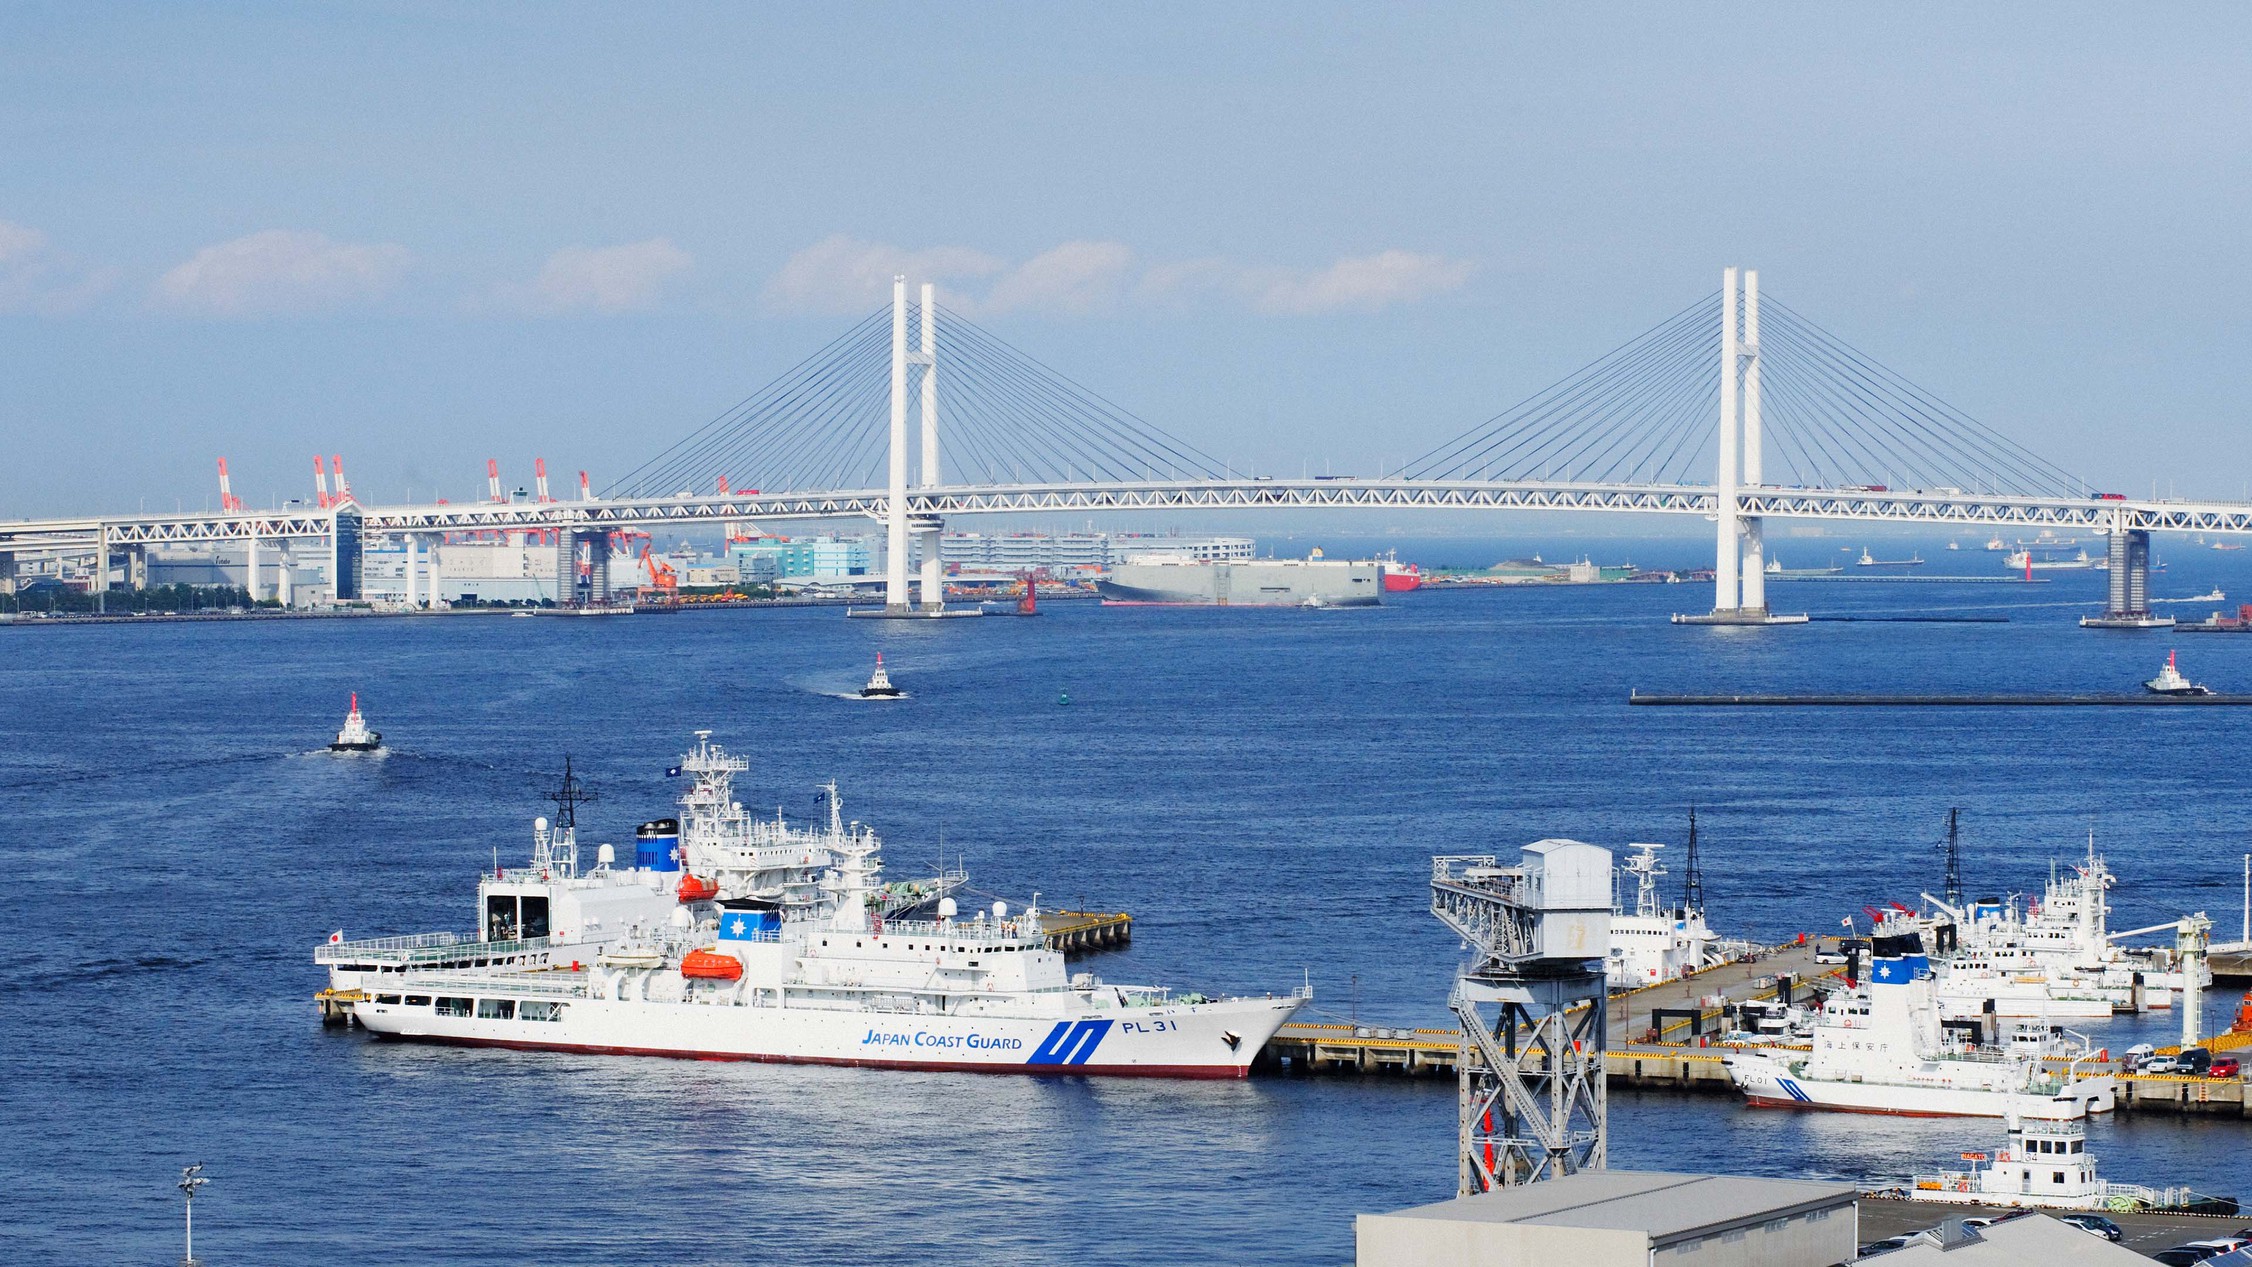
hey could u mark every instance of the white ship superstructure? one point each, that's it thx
(751, 978)
(551, 913)
(1654, 942)
(2064, 940)
(1882, 1047)
(2046, 1165)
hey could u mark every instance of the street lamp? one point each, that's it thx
(190, 1181)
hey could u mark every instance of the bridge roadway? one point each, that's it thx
(1943, 508)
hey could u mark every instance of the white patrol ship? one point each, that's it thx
(746, 978)
(1883, 1048)
(552, 914)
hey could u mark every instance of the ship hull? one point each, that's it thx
(1175, 1041)
(1767, 1083)
(1256, 583)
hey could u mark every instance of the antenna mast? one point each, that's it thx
(1692, 872)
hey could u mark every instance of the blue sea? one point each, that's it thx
(1261, 789)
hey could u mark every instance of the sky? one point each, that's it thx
(1301, 237)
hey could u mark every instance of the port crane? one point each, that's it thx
(662, 577)
(1531, 1079)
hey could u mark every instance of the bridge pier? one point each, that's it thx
(571, 589)
(7, 572)
(1739, 546)
(2128, 605)
(344, 560)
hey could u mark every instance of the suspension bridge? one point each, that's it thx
(1735, 409)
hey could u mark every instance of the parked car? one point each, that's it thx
(2225, 1067)
(2199, 1251)
(2194, 1060)
(2136, 1056)
(2161, 1064)
(2093, 1225)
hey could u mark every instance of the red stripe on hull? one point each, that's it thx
(923, 1066)
(1763, 1102)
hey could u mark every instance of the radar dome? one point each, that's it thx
(946, 908)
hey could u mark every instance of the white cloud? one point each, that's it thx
(844, 275)
(1363, 283)
(36, 277)
(281, 271)
(1075, 277)
(625, 278)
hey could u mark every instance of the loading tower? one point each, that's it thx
(1531, 1004)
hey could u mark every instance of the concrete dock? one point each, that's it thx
(1083, 932)
(1655, 1031)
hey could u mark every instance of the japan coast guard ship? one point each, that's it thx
(753, 976)
(1882, 1048)
(552, 914)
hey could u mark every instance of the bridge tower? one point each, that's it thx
(1533, 1011)
(1739, 547)
(925, 531)
(2128, 605)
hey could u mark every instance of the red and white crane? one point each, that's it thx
(320, 483)
(227, 498)
(539, 479)
(584, 494)
(343, 489)
(492, 480)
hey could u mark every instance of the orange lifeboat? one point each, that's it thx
(710, 965)
(695, 890)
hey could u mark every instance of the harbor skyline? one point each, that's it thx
(590, 255)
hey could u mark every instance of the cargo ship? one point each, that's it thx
(1170, 581)
(1400, 578)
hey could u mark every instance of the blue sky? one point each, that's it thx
(424, 235)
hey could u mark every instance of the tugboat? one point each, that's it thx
(356, 737)
(2171, 682)
(879, 683)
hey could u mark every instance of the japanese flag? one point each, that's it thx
(336, 938)
(1847, 922)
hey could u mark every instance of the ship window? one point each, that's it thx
(453, 1007)
(2059, 1177)
(386, 998)
(2076, 1145)
(418, 1000)
(496, 1009)
(534, 1011)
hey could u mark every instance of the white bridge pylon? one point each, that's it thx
(898, 524)
(1740, 546)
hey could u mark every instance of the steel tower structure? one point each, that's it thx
(1531, 1004)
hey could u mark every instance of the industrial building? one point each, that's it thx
(1622, 1218)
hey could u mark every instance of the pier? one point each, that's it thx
(1083, 932)
(1934, 701)
(1661, 1029)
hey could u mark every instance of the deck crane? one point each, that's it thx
(2192, 934)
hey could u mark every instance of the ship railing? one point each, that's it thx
(493, 981)
(423, 948)
(972, 932)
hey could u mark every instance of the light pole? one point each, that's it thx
(190, 1181)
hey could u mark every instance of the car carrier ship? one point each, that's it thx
(1160, 580)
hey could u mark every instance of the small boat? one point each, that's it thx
(2171, 682)
(2226, 545)
(879, 683)
(1954, 545)
(356, 737)
(2215, 596)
